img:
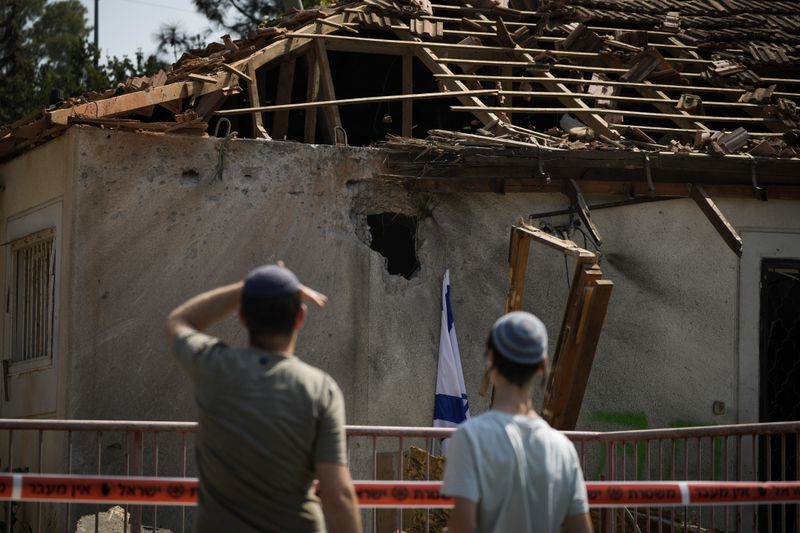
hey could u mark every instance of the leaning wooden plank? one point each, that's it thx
(717, 219)
(563, 246)
(564, 414)
(127, 103)
(582, 275)
(280, 125)
(565, 358)
(518, 252)
(355, 101)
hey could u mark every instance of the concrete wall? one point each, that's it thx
(147, 221)
(155, 222)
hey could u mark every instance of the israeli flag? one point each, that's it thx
(451, 405)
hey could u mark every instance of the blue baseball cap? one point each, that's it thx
(520, 337)
(270, 280)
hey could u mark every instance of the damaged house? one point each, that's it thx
(543, 151)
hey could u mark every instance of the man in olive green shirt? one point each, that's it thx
(268, 422)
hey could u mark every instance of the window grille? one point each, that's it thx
(31, 297)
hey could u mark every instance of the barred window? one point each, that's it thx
(31, 296)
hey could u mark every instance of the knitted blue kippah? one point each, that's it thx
(520, 337)
(270, 280)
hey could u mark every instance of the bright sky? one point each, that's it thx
(126, 25)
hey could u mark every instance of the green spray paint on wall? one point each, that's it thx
(638, 420)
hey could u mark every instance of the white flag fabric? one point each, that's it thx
(451, 405)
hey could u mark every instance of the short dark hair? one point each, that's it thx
(516, 373)
(272, 315)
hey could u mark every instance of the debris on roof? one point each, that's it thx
(715, 76)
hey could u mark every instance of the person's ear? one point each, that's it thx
(301, 317)
(242, 319)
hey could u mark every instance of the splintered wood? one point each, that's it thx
(572, 355)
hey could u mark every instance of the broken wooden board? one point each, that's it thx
(584, 314)
(128, 103)
(717, 219)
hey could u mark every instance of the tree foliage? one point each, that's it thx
(174, 39)
(239, 16)
(45, 51)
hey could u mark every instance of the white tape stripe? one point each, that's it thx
(16, 486)
(684, 492)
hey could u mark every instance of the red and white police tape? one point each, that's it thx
(388, 494)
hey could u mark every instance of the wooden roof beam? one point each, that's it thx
(717, 219)
(130, 102)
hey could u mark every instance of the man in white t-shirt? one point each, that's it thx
(507, 469)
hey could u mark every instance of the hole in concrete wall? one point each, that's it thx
(394, 236)
(190, 178)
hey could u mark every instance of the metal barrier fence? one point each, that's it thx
(755, 452)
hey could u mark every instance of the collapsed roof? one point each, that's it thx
(660, 77)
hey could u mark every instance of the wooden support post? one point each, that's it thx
(332, 117)
(572, 374)
(408, 88)
(717, 219)
(312, 95)
(280, 125)
(255, 101)
(573, 192)
(518, 251)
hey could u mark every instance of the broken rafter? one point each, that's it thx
(665, 129)
(561, 245)
(717, 219)
(361, 100)
(587, 110)
(642, 99)
(582, 81)
(128, 103)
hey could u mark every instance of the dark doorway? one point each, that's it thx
(394, 236)
(779, 381)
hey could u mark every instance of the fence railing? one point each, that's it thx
(753, 452)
